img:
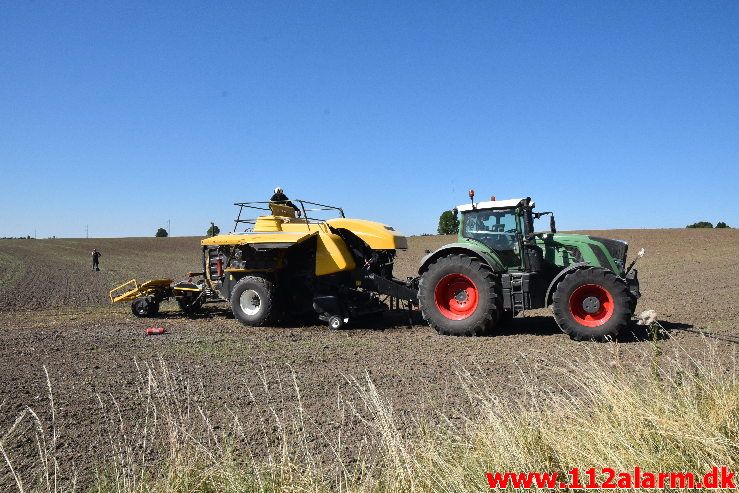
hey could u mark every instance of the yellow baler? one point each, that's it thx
(284, 264)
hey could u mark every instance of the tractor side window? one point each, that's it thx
(496, 229)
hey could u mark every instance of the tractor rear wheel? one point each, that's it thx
(459, 295)
(144, 307)
(592, 303)
(253, 301)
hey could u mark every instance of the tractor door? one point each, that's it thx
(533, 255)
(497, 229)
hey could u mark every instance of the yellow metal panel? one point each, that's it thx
(257, 237)
(296, 225)
(378, 236)
(332, 255)
(268, 224)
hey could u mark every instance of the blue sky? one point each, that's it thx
(123, 115)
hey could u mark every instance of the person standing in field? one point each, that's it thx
(96, 259)
(279, 197)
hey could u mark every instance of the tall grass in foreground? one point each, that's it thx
(679, 414)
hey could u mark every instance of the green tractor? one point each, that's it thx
(499, 267)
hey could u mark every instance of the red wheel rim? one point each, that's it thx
(456, 296)
(591, 305)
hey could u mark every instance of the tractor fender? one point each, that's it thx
(464, 249)
(559, 277)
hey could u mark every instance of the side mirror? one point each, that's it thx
(552, 225)
(455, 212)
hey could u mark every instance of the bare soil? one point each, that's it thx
(56, 318)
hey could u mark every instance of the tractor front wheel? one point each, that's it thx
(459, 295)
(592, 303)
(253, 301)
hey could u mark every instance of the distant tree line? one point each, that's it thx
(213, 230)
(706, 224)
(29, 237)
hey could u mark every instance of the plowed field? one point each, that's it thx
(56, 318)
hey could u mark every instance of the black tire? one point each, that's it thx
(336, 323)
(253, 301)
(144, 307)
(190, 303)
(592, 304)
(447, 287)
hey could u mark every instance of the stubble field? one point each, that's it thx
(303, 380)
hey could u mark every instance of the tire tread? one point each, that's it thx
(592, 275)
(462, 262)
(272, 312)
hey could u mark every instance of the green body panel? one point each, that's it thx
(555, 248)
(556, 251)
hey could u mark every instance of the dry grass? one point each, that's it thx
(680, 414)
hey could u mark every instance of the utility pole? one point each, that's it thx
(87, 230)
(169, 233)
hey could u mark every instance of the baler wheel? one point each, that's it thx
(592, 304)
(253, 301)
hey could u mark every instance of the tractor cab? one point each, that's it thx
(497, 225)
(505, 227)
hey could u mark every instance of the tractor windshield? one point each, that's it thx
(497, 229)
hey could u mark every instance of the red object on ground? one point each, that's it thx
(154, 332)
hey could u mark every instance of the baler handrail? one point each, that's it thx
(323, 207)
(308, 220)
